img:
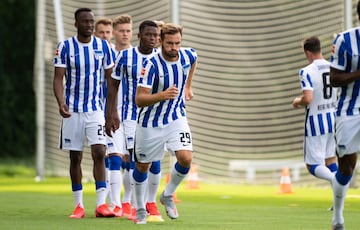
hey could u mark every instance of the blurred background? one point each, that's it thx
(243, 124)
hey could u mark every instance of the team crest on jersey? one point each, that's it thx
(98, 54)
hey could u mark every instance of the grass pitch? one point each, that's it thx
(26, 204)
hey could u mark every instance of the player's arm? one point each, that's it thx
(304, 99)
(145, 98)
(112, 121)
(340, 78)
(188, 89)
(58, 88)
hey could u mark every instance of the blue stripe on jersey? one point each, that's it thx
(134, 70)
(348, 52)
(312, 126)
(354, 96)
(309, 79)
(341, 100)
(155, 86)
(68, 73)
(307, 110)
(87, 80)
(176, 82)
(166, 76)
(125, 83)
(77, 78)
(95, 80)
(321, 124)
(329, 122)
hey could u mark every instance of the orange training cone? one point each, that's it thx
(176, 200)
(193, 177)
(285, 181)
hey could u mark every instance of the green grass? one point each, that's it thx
(26, 204)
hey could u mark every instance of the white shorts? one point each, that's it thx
(123, 138)
(150, 141)
(319, 148)
(347, 134)
(116, 143)
(80, 126)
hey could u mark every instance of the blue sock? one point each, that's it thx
(115, 162)
(333, 167)
(155, 167)
(76, 187)
(181, 169)
(312, 169)
(138, 176)
(342, 179)
(100, 184)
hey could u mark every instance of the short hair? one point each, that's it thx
(159, 23)
(78, 11)
(122, 19)
(312, 44)
(147, 23)
(170, 28)
(104, 21)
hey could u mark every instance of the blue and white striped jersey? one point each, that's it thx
(346, 57)
(128, 66)
(83, 63)
(158, 75)
(320, 113)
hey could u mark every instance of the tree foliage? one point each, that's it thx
(17, 98)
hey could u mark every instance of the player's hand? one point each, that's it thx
(64, 111)
(188, 94)
(296, 102)
(112, 123)
(171, 93)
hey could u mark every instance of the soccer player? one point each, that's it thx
(345, 73)
(116, 148)
(81, 59)
(162, 117)
(128, 68)
(319, 99)
(104, 30)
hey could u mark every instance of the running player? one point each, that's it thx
(319, 99)
(128, 68)
(162, 117)
(345, 73)
(81, 59)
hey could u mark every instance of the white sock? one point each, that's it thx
(108, 187)
(78, 197)
(127, 186)
(115, 186)
(139, 191)
(174, 182)
(101, 196)
(153, 185)
(323, 172)
(339, 192)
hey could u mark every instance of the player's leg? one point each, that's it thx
(149, 147)
(76, 184)
(126, 201)
(315, 148)
(116, 148)
(107, 176)
(347, 144)
(182, 146)
(152, 188)
(95, 134)
(72, 139)
(140, 176)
